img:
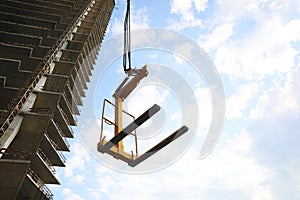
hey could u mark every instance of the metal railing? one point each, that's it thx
(69, 105)
(40, 183)
(65, 117)
(46, 160)
(109, 122)
(16, 154)
(67, 101)
(61, 133)
(45, 110)
(73, 98)
(56, 148)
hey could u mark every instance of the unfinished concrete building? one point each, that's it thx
(47, 54)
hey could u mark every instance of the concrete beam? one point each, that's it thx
(12, 175)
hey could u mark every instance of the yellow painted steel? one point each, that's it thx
(118, 120)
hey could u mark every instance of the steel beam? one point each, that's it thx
(159, 146)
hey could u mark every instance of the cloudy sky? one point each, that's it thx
(255, 46)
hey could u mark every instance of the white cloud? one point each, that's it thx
(77, 179)
(176, 116)
(184, 49)
(200, 5)
(279, 101)
(77, 161)
(71, 195)
(266, 51)
(274, 102)
(239, 100)
(219, 35)
(204, 106)
(184, 8)
(95, 194)
(187, 11)
(178, 60)
(181, 24)
(153, 56)
(283, 6)
(231, 10)
(142, 98)
(139, 20)
(292, 82)
(249, 40)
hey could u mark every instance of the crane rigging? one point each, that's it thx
(127, 40)
(115, 146)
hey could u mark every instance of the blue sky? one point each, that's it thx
(255, 48)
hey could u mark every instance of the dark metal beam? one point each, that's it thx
(159, 146)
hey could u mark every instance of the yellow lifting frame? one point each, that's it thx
(124, 89)
(118, 120)
(115, 146)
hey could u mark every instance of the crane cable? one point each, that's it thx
(127, 40)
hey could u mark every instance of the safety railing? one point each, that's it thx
(73, 98)
(65, 116)
(56, 148)
(61, 133)
(40, 110)
(69, 105)
(109, 122)
(15, 154)
(66, 119)
(67, 101)
(40, 183)
(46, 160)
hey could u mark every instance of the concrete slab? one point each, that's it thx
(56, 135)
(67, 107)
(31, 132)
(40, 167)
(55, 83)
(59, 118)
(31, 190)
(45, 102)
(63, 67)
(52, 154)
